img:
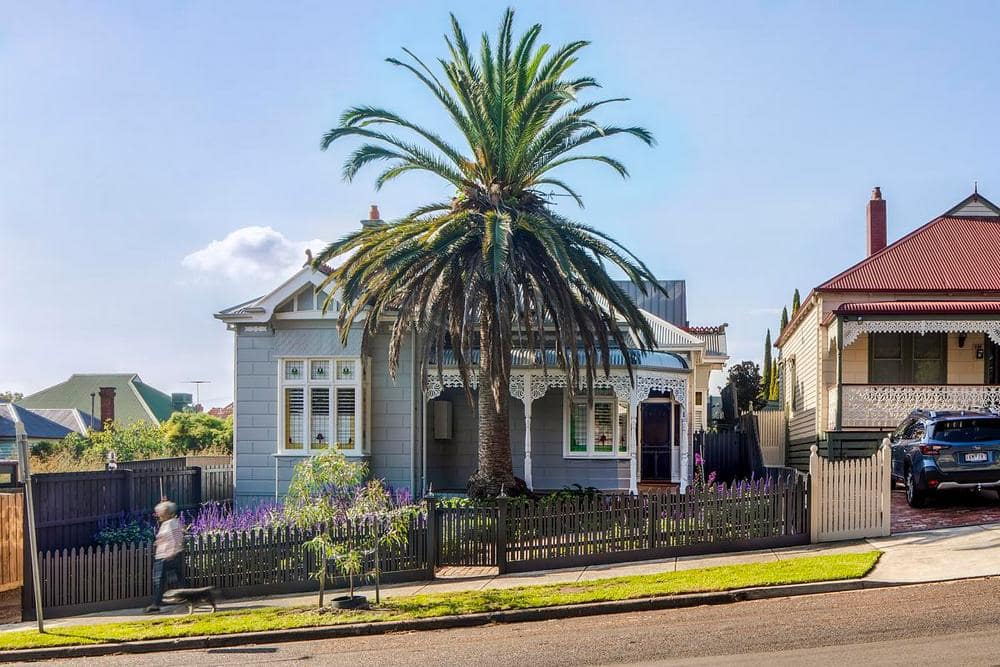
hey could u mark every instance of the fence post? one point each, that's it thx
(27, 578)
(501, 533)
(885, 475)
(430, 533)
(815, 494)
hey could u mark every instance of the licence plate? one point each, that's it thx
(977, 457)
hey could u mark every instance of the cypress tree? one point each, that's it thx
(795, 302)
(784, 318)
(765, 384)
(772, 390)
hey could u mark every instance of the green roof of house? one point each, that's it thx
(134, 399)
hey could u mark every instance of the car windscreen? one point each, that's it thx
(967, 430)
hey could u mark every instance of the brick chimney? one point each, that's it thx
(876, 222)
(107, 395)
(374, 218)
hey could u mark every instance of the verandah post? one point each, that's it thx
(501, 534)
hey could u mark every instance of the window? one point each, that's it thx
(599, 430)
(321, 404)
(907, 358)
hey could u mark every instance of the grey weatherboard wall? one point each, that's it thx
(256, 406)
(450, 462)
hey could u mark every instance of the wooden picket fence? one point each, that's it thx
(11, 540)
(850, 498)
(617, 528)
(260, 562)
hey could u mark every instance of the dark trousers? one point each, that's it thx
(165, 570)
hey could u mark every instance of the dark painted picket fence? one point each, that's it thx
(519, 535)
(260, 562)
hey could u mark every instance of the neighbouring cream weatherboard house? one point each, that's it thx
(916, 324)
(299, 391)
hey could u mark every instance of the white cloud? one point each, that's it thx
(252, 254)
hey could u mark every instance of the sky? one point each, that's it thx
(161, 161)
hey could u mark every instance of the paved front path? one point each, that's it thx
(946, 509)
(955, 553)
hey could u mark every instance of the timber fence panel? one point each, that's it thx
(850, 499)
(11, 541)
(771, 431)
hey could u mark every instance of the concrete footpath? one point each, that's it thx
(929, 556)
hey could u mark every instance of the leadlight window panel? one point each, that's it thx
(319, 369)
(887, 358)
(319, 417)
(346, 419)
(346, 371)
(578, 435)
(623, 428)
(604, 427)
(294, 370)
(295, 418)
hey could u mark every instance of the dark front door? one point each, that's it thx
(992, 364)
(656, 428)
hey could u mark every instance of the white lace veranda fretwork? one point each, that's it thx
(885, 406)
(853, 329)
(540, 383)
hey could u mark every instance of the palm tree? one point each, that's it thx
(496, 262)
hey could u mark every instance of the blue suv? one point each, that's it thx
(934, 450)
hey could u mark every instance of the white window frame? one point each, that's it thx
(615, 402)
(333, 382)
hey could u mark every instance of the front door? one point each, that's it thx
(992, 362)
(655, 441)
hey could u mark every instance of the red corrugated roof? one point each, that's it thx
(919, 308)
(947, 254)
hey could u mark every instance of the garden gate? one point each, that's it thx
(11, 540)
(850, 499)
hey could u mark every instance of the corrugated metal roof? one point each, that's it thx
(947, 254)
(525, 358)
(920, 308)
(35, 425)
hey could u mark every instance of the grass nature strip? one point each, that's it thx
(728, 577)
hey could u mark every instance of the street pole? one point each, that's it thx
(23, 454)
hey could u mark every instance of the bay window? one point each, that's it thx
(321, 403)
(598, 430)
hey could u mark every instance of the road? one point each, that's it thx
(955, 622)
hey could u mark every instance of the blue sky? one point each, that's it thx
(134, 135)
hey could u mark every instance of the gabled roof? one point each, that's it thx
(134, 399)
(714, 339)
(956, 252)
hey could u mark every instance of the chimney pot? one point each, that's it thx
(107, 395)
(876, 222)
(374, 218)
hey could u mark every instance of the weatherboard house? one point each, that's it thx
(299, 391)
(915, 324)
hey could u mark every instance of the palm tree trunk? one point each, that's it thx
(496, 470)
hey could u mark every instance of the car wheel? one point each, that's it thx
(914, 496)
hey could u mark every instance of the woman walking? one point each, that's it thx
(169, 547)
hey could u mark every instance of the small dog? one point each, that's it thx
(192, 597)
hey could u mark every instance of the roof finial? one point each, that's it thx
(309, 258)
(975, 187)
